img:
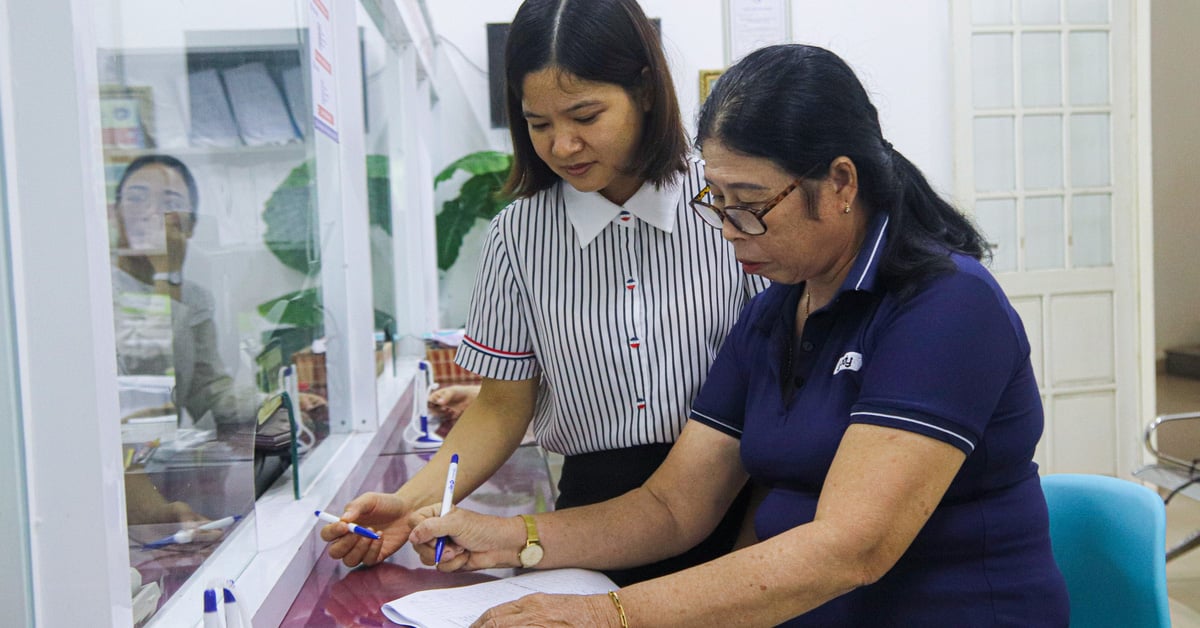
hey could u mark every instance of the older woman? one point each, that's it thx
(881, 388)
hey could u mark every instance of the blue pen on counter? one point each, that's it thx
(354, 527)
(233, 618)
(447, 504)
(187, 535)
(211, 618)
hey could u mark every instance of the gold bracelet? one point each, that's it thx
(620, 609)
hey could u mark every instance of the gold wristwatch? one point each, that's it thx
(532, 553)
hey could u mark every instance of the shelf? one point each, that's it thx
(297, 148)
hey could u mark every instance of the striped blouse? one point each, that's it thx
(620, 310)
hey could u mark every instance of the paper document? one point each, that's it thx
(460, 606)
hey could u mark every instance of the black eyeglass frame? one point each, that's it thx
(705, 210)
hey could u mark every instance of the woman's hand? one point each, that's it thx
(475, 541)
(448, 402)
(384, 513)
(541, 609)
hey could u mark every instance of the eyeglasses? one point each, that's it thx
(748, 220)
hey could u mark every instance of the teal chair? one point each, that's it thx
(1109, 539)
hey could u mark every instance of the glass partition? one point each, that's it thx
(387, 81)
(211, 179)
(15, 576)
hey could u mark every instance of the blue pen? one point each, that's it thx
(233, 618)
(188, 534)
(447, 504)
(354, 527)
(211, 619)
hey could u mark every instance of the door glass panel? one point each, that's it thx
(1044, 233)
(992, 71)
(997, 218)
(1039, 11)
(1041, 83)
(994, 154)
(990, 12)
(1042, 152)
(1088, 55)
(216, 252)
(1087, 11)
(1089, 150)
(1091, 230)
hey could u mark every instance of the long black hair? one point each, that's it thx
(166, 161)
(605, 41)
(801, 107)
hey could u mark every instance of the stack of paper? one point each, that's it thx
(262, 116)
(212, 122)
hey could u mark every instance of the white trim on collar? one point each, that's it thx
(590, 213)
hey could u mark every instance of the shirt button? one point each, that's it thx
(807, 345)
(634, 343)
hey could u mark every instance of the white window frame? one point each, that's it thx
(78, 544)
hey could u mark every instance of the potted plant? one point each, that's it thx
(479, 198)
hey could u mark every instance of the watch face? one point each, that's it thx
(531, 555)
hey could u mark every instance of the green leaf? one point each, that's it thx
(301, 308)
(452, 225)
(481, 162)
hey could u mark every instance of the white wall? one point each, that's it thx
(911, 88)
(1176, 134)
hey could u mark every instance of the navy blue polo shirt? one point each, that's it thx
(951, 362)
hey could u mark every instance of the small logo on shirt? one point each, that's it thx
(852, 361)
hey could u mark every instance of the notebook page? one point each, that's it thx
(459, 607)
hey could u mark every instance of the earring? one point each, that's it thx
(846, 210)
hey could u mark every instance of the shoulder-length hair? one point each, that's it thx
(605, 41)
(801, 107)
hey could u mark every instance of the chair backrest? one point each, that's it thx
(1109, 539)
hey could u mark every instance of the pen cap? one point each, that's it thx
(210, 600)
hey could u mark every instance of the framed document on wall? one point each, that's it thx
(752, 24)
(708, 78)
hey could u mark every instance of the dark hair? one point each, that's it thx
(166, 161)
(801, 107)
(605, 41)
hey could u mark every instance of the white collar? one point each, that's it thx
(590, 213)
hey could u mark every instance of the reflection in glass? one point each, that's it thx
(1091, 230)
(1088, 55)
(990, 12)
(186, 425)
(1039, 11)
(994, 154)
(992, 70)
(997, 218)
(216, 257)
(1042, 151)
(1041, 80)
(1089, 150)
(1044, 233)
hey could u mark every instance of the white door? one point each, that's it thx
(1045, 158)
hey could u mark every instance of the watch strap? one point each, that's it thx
(531, 533)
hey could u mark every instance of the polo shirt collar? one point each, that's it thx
(778, 312)
(590, 212)
(865, 271)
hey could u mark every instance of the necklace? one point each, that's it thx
(807, 303)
